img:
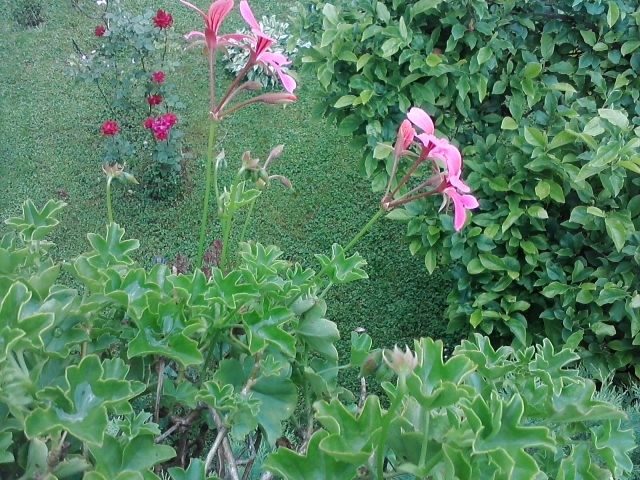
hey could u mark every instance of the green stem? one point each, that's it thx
(207, 192)
(351, 244)
(247, 220)
(109, 209)
(386, 424)
(365, 229)
(425, 438)
(208, 358)
(326, 289)
(227, 223)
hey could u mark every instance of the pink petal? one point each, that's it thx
(191, 35)
(193, 7)
(459, 211)
(458, 184)
(449, 154)
(421, 119)
(288, 82)
(217, 13)
(426, 139)
(275, 58)
(247, 14)
(469, 201)
(405, 136)
(262, 45)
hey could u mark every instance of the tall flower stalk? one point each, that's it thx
(258, 46)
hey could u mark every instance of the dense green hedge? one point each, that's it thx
(543, 99)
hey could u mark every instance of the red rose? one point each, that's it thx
(163, 19)
(100, 30)
(148, 123)
(161, 134)
(170, 119)
(109, 128)
(157, 77)
(154, 100)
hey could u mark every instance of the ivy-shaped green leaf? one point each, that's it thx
(352, 438)
(36, 224)
(341, 269)
(80, 406)
(313, 466)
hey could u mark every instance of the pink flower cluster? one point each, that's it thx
(161, 126)
(446, 161)
(258, 43)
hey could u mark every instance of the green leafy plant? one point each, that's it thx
(230, 356)
(545, 99)
(482, 413)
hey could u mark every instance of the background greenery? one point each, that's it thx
(50, 148)
(542, 98)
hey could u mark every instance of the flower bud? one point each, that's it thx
(251, 86)
(283, 180)
(372, 363)
(276, 98)
(402, 363)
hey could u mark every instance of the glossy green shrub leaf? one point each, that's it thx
(550, 138)
(5, 443)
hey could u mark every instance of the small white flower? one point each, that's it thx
(101, 2)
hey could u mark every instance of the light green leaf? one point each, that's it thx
(619, 228)
(616, 117)
(532, 70)
(509, 123)
(484, 55)
(344, 101)
(535, 137)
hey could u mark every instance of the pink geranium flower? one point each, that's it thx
(443, 155)
(100, 30)
(261, 44)
(214, 17)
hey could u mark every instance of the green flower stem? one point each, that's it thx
(208, 358)
(426, 417)
(365, 229)
(386, 424)
(326, 289)
(352, 244)
(227, 224)
(109, 209)
(247, 220)
(349, 246)
(207, 192)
